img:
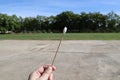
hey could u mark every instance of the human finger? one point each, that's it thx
(50, 77)
(49, 65)
(46, 74)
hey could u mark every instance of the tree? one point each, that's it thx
(67, 18)
(113, 22)
(31, 24)
(83, 22)
(14, 23)
(92, 22)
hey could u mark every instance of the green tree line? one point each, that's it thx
(83, 22)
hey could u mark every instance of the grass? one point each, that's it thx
(56, 36)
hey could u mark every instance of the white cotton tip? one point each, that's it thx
(65, 30)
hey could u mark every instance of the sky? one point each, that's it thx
(26, 8)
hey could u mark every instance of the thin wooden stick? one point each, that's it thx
(57, 50)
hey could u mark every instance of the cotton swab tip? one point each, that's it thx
(65, 30)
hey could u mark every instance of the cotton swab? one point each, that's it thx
(64, 31)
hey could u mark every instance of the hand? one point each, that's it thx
(42, 73)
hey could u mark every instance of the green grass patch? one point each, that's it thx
(56, 36)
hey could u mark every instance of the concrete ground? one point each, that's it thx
(76, 60)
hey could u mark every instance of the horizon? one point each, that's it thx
(32, 8)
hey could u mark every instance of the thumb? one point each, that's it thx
(46, 74)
